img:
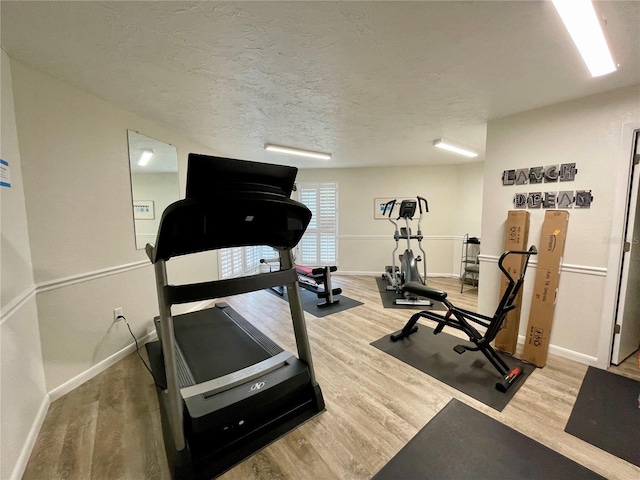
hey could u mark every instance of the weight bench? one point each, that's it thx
(462, 319)
(318, 280)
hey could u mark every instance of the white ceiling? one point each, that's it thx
(374, 83)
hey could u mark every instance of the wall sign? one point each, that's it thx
(565, 172)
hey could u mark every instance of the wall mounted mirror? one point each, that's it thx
(154, 183)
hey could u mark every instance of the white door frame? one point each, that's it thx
(616, 241)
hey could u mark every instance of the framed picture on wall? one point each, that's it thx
(379, 203)
(143, 210)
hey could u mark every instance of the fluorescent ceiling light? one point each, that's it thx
(145, 157)
(580, 19)
(454, 147)
(297, 151)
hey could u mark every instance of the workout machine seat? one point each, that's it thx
(465, 320)
(320, 283)
(424, 291)
(225, 389)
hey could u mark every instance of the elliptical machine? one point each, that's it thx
(408, 271)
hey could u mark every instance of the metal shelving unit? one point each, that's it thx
(469, 265)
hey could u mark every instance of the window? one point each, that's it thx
(319, 244)
(237, 261)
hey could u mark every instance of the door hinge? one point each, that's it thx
(626, 247)
(616, 329)
(636, 159)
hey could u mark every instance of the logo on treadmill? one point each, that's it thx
(257, 386)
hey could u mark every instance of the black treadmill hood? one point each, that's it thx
(231, 203)
(235, 220)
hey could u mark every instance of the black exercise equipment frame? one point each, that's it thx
(462, 319)
(260, 213)
(322, 287)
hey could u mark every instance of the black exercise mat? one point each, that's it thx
(310, 303)
(463, 443)
(470, 372)
(388, 296)
(606, 414)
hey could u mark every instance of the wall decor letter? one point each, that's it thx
(565, 199)
(551, 173)
(520, 200)
(549, 200)
(509, 177)
(568, 172)
(536, 174)
(534, 200)
(522, 176)
(583, 199)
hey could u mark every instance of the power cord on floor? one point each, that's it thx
(159, 385)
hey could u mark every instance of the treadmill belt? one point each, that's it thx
(217, 346)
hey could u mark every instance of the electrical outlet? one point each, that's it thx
(116, 313)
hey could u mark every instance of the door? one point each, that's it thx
(627, 329)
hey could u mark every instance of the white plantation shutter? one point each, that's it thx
(251, 258)
(309, 197)
(308, 250)
(238, 261)
(236, 255)
(319, 244)
(225, 262)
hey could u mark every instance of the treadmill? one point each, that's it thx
(225, 389)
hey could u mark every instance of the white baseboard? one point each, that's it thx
(88, 374)
(100, 367)
(377, 274)
(566, 353)
(27, 448)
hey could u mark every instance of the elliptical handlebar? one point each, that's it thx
(390, 202)
(426, 205)
(384, 211)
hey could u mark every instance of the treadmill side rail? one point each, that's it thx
(227, 382)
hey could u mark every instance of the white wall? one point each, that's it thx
(587, 132)
(77, 188)
(366, 244)
(23, 396)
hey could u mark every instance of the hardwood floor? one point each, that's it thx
(109, 428)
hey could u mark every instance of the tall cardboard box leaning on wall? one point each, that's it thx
(516, 238)
(545, 288)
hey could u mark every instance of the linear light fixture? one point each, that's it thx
(579, 18)
(454, 147)
(145, 157)
(297, 151)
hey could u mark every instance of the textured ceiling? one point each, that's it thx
(374, 83)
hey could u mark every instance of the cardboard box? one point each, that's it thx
(543, 305)
(545, 289)
(516, 238)
(552, 239)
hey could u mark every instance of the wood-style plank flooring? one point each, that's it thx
(109, 428)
